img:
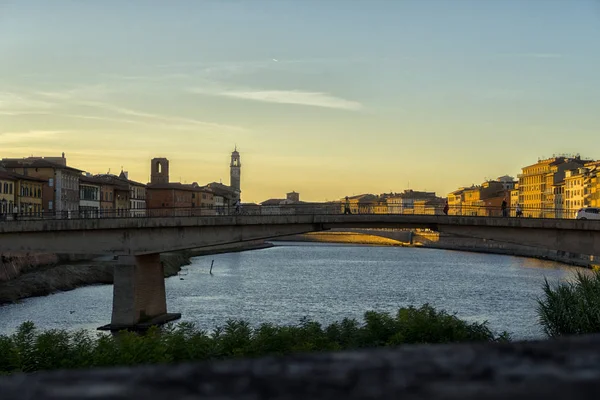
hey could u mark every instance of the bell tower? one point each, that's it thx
(159, 168)
(235, 170)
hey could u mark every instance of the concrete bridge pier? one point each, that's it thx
(139, 299)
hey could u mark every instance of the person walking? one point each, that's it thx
(446, 208)
(503, 207)
(519, 212)
(347, 206)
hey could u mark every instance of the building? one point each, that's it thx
(29, 195)
(574, 191)
(482, 200)
(89, 196)
(137, 195)
(403, 203)
(8, 185)
(170, 199)
(224, 197)
(361, 204)
(165, 198)
(121, 205)
(20, 195)
(60, 194)
(558, 194)
(514, 199)
(235, 170)
(107, 199)
(433, 206)
(536, 184)
(592, 193)
(508, 182)
(293, 197)
(159, 170)
(456, 200)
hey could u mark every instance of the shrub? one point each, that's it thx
(569, 308)
(29, 350)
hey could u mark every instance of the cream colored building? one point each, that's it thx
(514, 199)
(574, 191)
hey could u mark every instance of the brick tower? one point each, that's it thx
(235, 171)
(159, 168)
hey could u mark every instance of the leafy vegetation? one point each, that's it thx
(30, 350)
(570, 308)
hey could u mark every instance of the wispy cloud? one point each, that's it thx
(165, 119)
(298, 97)
(78, 92)
(20, 137)
(16, 102)
(531, 55)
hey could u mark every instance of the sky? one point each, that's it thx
(325, 97)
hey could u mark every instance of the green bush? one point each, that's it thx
(29, 350)
(569, 308)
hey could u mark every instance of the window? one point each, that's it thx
(51, 182)
(50, 205)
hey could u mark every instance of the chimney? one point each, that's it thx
(126, 173)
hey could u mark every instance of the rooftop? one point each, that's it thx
(35, 163)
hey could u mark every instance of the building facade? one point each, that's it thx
(235, 172)
(574, 192)
(536, 184)
(89, 197)
(137, 195)
(29, 195)
(107, 199)
(60, 194)
(8, 184)
(170, 199)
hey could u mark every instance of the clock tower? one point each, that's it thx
(234, 171)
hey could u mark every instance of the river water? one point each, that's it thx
(325, 282)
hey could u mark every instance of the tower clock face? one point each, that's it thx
(235, 172)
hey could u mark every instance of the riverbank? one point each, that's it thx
(52, 278)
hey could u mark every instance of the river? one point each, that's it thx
(325, 282)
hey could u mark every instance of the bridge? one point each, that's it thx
(139, 289)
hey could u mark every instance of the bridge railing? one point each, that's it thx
(329, 208)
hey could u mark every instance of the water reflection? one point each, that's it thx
(324, 282)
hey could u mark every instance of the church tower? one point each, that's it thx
(159, 170)
(234, 171)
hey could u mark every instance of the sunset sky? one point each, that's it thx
(325, 97)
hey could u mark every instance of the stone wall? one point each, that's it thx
(449, 242)
(14, 264)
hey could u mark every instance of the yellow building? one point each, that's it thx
(536, 183)
(456, 200)
(514, 199)
(575, 183)
(29, 195)
(592, 195)
(8, 185)
(472, 201)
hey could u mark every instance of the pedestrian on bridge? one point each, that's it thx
(446, 208)
(504, 208)
(347, 207)
(519, 212)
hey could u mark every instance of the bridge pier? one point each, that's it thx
(139, 298)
